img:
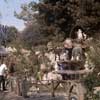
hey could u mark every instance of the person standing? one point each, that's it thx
(11, 67)
(3, 70)
(68, 47)
(67, 55)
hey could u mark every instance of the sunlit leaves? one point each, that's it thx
(28, 12)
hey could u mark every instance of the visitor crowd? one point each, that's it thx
(70, 56)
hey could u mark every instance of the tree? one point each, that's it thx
(57, 18)
(31, 36)
(7, 34)
(66, 14)
(90, 16)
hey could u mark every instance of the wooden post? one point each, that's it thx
(24, 86)
(52, 89)
(81, 91)
(15, 85)
(18, 89)
(68, 86)
(11, 85)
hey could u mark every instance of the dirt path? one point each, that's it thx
(42, 96)
(9, 96)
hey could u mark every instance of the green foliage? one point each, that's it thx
(64, 14)
(31, 36)
(92, 81)
(7, 34)
(97, 96)
(12, 34)
(56, 18)
(28, 12)
(94, 53)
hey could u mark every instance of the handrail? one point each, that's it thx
(73, 72)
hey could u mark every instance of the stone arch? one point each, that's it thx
(74, 29)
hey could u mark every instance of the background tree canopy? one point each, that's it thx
(7, 34)
(57, 18)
